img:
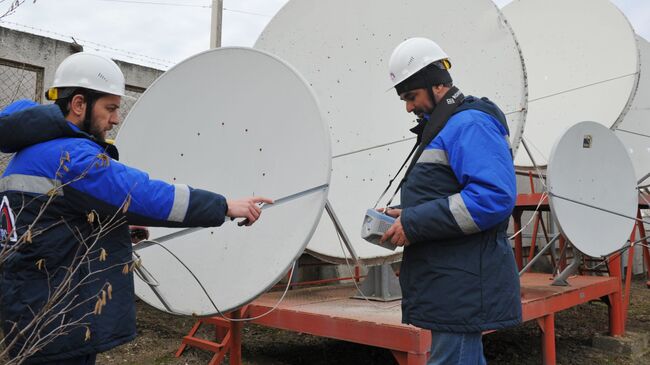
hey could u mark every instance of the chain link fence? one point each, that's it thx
(18, 81)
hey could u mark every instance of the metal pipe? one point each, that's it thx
(541, 252)
(532, 159)
(339, 228)
(215, 24)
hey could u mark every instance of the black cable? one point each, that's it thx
(157, 3)
(598, 208)
(191, 273)
(630, 132)
(293, 267)
(185, 5)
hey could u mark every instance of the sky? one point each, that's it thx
(161, 33)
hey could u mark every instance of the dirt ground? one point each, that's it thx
(160, 334)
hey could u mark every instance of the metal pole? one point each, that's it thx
(339, 228)
(530, 154)
(541, 252)
(644, 178)
(215, 25)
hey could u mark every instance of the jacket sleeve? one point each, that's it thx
(478, 153)
(110, 187)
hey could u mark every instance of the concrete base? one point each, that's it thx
(632, 344)
(381, 284)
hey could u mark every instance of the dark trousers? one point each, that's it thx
(81, 360)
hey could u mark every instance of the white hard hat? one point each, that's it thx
(412, 55)
(90, 71)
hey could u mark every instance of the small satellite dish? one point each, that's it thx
(343, 47)
(634, 131)
(239, 122)
(592, 189)
(578, 68)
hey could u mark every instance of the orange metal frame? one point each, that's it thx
(540, 302)
(329, 311)
(227, 337)
(529, 202)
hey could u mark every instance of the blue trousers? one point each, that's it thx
(456, 349)
(81, 360)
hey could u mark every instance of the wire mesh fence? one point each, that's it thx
(18, 81)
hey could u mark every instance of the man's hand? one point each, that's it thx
(138, 233)
(247, 208)
(395, 233)
(393, 212)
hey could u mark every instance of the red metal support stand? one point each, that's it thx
(642, 234)
(540, 302)
(547, 325)
(528, 202)
(519, 257)
(329, 311)
(236, 333)
(228, 338)
(616, 315)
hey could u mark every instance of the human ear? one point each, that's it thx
(78, 105)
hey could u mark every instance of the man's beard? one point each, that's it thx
(421, 113)
(95, 131)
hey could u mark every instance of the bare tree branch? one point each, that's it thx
(54, 319)
(12, 7)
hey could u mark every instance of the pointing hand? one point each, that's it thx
(247, 208)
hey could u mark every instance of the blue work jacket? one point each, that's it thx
(458, 274)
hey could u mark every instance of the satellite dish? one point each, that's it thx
(239, 122)
(591, 184)
(583, 65)
(634, 131)
(346, 61)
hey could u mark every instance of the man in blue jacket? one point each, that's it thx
(458, 274)
(66, 286)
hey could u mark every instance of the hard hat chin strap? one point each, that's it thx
(428, 81)
(432, 96)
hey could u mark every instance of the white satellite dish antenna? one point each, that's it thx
(582, 63)
(634, 131)
(239, 122)
(592, 189)
(343, 47)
